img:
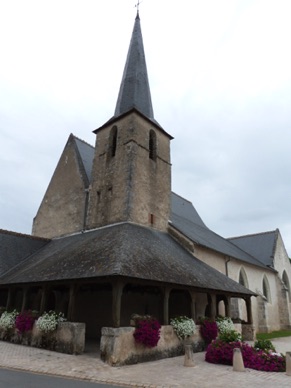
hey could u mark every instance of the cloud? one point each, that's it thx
(220, 81)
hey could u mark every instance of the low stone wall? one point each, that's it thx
(69, 337)
(118, 346)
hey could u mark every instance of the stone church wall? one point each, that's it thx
(266, 314)
(283, 281)
(62, 208)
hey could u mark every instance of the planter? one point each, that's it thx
(69, 337)
(118, 346)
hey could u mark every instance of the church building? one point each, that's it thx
(111, 239)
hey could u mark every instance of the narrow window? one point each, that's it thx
(266, 289)
(112, 142)
(286, 284)
(243, 278)
(98, 197)
(152, 145)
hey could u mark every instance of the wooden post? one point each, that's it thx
(227, 306)
(249, 310)
(43, 301)
(213, 306)
(72, 302)
(193, 305)
(116, 303)
(24, 299)
(166, 305)
(9, 298)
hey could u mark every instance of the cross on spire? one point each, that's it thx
(137, 5)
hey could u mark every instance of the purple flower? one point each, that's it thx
(147, 332)
(208, 330)
(219, 352)
(24, 321)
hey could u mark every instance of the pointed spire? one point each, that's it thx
(134, 90)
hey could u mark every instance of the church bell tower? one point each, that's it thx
(131, 175)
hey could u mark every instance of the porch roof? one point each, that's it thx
(123, 249)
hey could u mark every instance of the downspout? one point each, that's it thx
(86, 207)
(226, 266)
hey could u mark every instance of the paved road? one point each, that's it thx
(156, 374)
(15, 379)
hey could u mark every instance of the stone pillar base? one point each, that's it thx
(237, 361)
(288, 363)
(188, 359)
(248, 332)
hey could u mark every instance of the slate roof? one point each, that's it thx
(260, 245)
(86, 152)
(135, 89)
(134, 93)
(184, 208)
(185, 218)
(137, 252)
(16, 247)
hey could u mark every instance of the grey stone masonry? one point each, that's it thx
(127, 184)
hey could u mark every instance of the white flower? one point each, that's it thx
(48, 322)
(7, 320)
(183, 326)
(225, 324)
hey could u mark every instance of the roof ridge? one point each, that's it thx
(83, 141)
(257, 262)
(252, 234)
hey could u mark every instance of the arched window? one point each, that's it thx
(266, 289)
(243, 280)
(112, 141)
(286, 283)
(152, 145)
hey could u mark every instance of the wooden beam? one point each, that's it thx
(116, 302)
(167, 291)
(72, 302)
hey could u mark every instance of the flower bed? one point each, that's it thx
(221, 352)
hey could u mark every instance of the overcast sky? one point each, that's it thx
(220, 80)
